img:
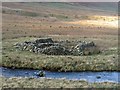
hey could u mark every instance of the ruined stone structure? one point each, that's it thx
(49, 47)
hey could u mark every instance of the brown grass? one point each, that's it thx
(53, 83)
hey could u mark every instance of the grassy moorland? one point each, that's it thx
(60, 21)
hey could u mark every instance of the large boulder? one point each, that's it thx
(85, 48)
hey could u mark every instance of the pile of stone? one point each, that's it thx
(49, 47)
(56, 50)
(44, 46)
(85, 48)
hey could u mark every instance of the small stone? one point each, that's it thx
(98, 77)
(41, 74)
(113, 56)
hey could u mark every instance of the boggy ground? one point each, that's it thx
(18, 82)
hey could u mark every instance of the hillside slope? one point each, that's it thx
(60, 10)
(36, 19)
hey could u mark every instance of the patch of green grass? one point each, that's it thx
(26, 13)
(59, 5)
(21, 12)
(58, 16)
(84, 17)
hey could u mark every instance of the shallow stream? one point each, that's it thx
(88, 76)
